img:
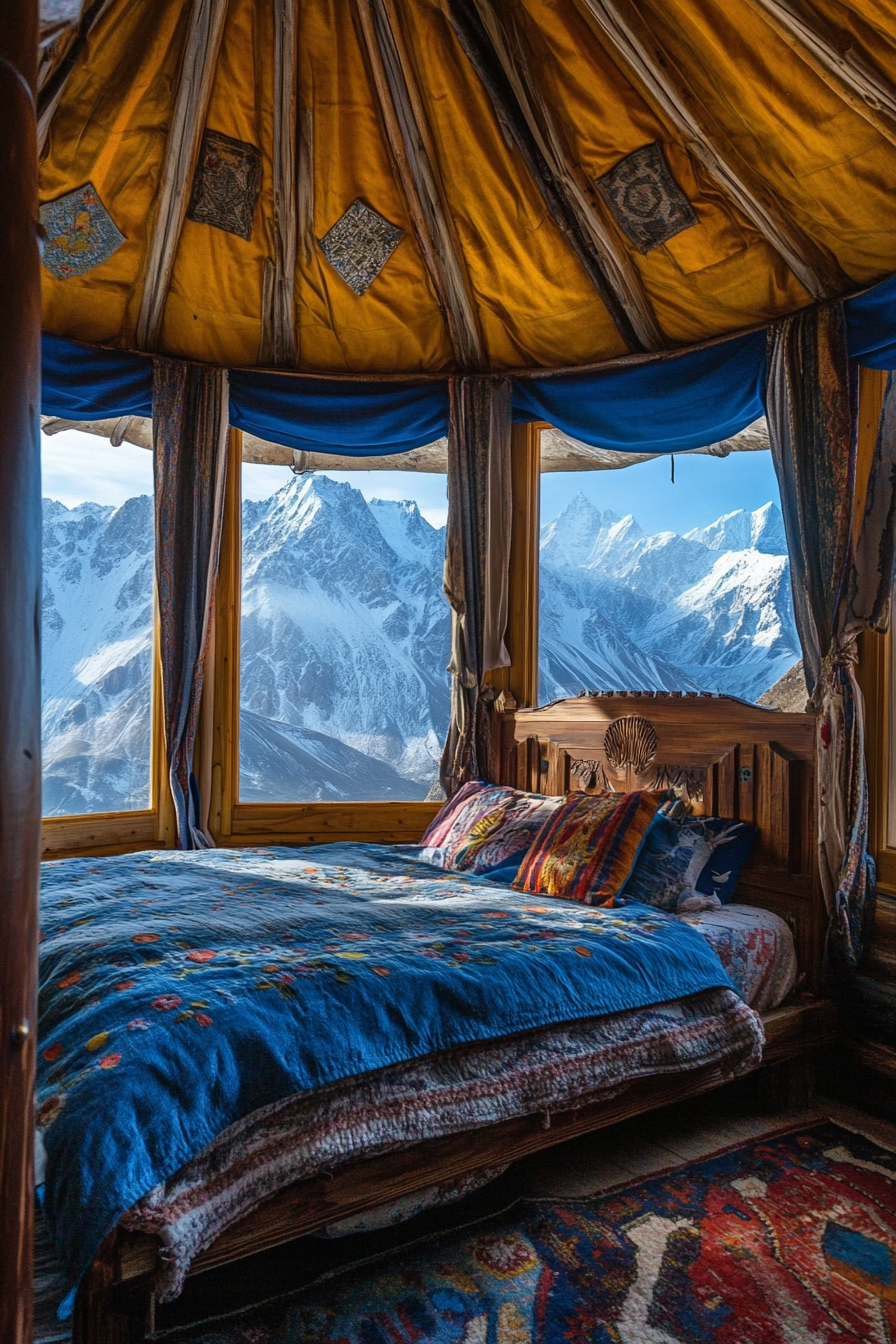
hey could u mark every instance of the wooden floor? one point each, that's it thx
(685, 1133)
(577, 1169)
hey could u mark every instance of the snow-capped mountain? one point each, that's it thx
(345, 632)
(97, 656)
(345, 635)
(711, 610)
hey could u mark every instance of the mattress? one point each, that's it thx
(756, 948)
(586, 1053)
(532, 1073)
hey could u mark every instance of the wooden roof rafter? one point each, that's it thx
(197, 72)
(410, 143)
(844, 71)
(53, 71)
(632, 41)
(278, 340)
(629, 316)
(511, 49)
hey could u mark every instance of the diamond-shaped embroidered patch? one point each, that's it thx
(359, 245)
(648, 203)
(79, 233)
(226, 184)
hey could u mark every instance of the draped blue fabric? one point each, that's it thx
(666, 404)
(662, 406)
(355, 419)
(83, 382)
(871, 326)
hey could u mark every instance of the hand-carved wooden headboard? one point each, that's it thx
(728, 758)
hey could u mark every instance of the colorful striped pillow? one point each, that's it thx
(587, 849)
(484, 826)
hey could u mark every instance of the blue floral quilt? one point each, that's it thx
(181, 991)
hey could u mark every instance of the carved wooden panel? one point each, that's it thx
(725, 757)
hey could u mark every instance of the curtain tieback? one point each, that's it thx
(839, 657)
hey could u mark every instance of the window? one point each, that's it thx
(97, 625)
(345, 635)
(650, 585)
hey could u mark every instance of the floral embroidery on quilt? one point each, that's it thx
(208, 984)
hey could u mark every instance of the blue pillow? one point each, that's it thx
(704, 854)
(733, 842)
(507, 869)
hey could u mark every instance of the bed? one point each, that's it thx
(450, 1024)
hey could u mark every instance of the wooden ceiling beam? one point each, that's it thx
(52, 78)
(630, 38)
(197, 72)
(582, 202)
(479, 50)
(278, 318)
(848, 74)
(407, 132)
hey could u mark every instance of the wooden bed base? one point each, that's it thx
(729, 759)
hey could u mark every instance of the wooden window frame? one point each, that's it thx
(235, 823)
(150, 827)
(876, 672)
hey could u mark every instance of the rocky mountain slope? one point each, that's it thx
(711, 610)
(345, 635)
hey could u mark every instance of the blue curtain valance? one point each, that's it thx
(667, 404)
(354, 419)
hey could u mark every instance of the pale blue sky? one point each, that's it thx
(77, 467)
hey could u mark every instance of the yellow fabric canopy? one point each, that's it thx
(720, 166)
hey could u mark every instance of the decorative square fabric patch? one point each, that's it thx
(359, 245)
(79, 233)
(226, 184)
(647, 202)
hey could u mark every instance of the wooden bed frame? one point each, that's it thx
(730, 759)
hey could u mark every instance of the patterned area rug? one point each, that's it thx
(790, 1239)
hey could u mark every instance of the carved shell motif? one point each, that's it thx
(630, 741)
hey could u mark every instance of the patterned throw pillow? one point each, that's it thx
(696, 854)
(486, 827)
(587, 849)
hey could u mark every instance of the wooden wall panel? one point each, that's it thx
(20, 589)
(726, 787)
(102, 833)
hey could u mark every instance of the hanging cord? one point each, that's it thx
(672, 455)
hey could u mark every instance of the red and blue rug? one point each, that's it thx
(790, 1239)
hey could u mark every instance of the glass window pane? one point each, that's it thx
(648, 585)
(345, 638)
(97, 624)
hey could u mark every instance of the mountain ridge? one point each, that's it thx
(345, 635)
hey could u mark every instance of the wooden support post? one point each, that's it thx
(20, 575)
(225, 720)
(521, 678)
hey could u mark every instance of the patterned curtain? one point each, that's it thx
(477, 559)
(189, 422)
(839, 524)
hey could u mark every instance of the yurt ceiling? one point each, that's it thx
(380, 186)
